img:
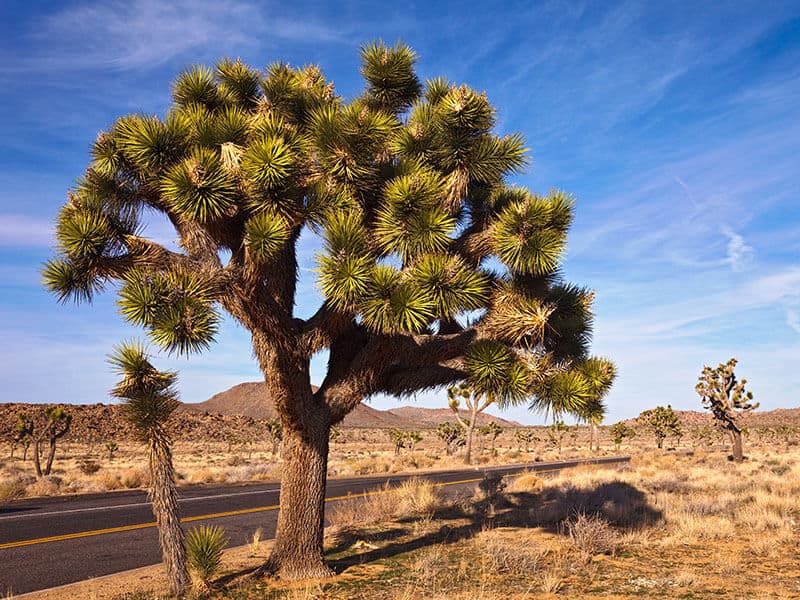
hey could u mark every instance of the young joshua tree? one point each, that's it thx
(726, 398)
(56, 425)
(619, 431)
(662, 423)
(476, 402)
(600, 374)
(150, 398)
(406, 187)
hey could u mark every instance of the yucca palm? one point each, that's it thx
(150, 398)
(407, 186)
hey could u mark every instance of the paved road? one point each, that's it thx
(46, 542)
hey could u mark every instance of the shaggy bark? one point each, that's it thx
(164, 498)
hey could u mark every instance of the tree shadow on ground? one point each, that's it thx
(621, 504)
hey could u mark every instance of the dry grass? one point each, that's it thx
(412, 498)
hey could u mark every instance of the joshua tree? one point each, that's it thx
(600, 374)
(112, 447)
(662, 423)
(407, 188)
(476, 402)
(23, 434)
(404, 439)
(556, 433)
(452, 434)
(275, 434)
(620, 431)
(727, 400)
(525, 436)
(55, 426)
(492, 431)
(150, 398)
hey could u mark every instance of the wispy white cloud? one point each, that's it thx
(740, 255)
(142, 34)
(793, 320)
(20, 231)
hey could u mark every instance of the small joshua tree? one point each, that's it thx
(111, 447)
(491, 431)
(56, 425)
(404, 439)
(727, 400)
(662, 423)
(620, 431)
(476, 402)
(452, 434)
(275, 434)
(526, 437)
(556, 433)
(150, 398)
(23, 434)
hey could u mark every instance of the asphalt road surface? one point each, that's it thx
(47, 542)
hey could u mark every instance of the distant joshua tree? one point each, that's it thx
(150, 398)
(662, 423)
(492, 431)
(556, 433)
(620, 431)
(476, 402)
(526, 437)
(727, 400)
(23, 434)
(56, 425)
(404, 439)
(275, 433)
(111, 447)
(452, 434)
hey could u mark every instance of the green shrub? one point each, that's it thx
(204, 546)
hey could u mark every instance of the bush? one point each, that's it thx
(10, 490)
(134, 478)
(88, 467)
(204, 546)
(590, 535)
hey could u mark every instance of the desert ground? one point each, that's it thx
(680, 522)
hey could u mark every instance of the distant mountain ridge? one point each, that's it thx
(251, 399)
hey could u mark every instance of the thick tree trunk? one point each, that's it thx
(468, 448)
(736, 439)
(297, 552)
(164, 497)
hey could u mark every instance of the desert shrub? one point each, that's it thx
(204, 546)
(46, 486)
(88, 467)
(525, 483)
(591, 534)
(10, 490)
(109, 481)
(235, 461)
(412, 498)
(133, 478)
(505, 556)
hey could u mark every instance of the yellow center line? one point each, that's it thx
(219, 515)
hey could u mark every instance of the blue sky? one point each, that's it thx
(676, 125)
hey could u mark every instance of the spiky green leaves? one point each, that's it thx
(451, 286)
(70, 281)
(199, 188)
(347, 265)
(196, 85)
(204, 546)
(149, 394)
(569, 328)
(494, 369)
(392, 84)
(411, 220)
(392, 305)
(268, 163)
(265, 235)
(518, 318)
(530, 233)
(149, 143)
(238, 82)
(83, 234)
(176, 307)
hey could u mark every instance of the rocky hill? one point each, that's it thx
(431, 417)
(251, 399)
